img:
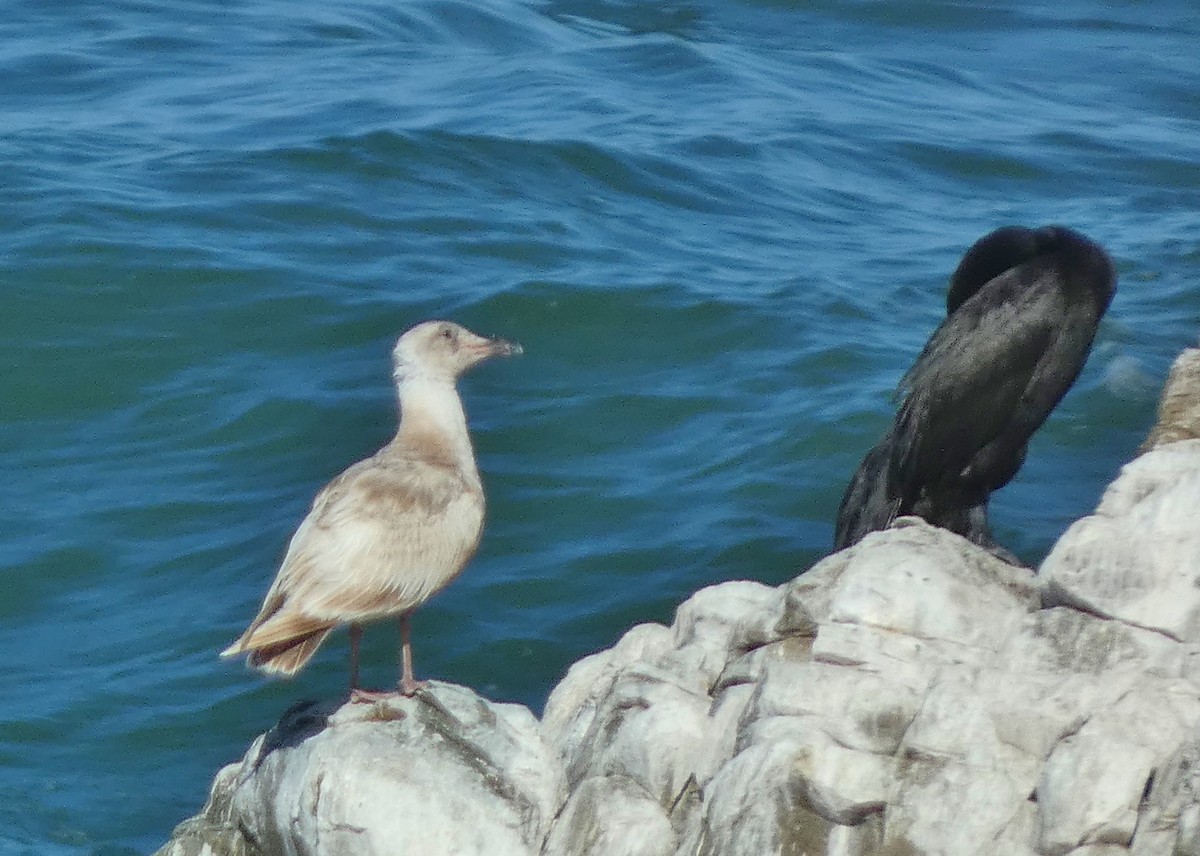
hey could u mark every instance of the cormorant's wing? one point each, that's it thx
(976, 373)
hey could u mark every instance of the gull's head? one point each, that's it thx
(443, 350)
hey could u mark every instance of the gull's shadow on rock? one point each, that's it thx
(304, 719)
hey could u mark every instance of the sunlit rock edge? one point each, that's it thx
(910, 695)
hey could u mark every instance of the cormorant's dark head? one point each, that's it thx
(1080, 262)
(1084, 265)
(990, 256)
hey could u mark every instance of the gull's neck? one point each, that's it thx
(433, 423)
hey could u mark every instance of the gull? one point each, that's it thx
(391, 531)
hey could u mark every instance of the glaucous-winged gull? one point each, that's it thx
(392, 530)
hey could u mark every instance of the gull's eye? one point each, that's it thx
(449, 335)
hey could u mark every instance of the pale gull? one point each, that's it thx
(391, 531)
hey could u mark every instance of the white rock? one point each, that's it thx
(727, 616)
(573, 703)
(1170, 821)
(1095, 780)
(1179, 407)
(930, 587)
(611, 816)
(941, 808)
(1135, 558)
(1087, 796)
(647, 729)
(722, 731)
(860, 710)
(444, 772)
(749, 808)
(1059, 640)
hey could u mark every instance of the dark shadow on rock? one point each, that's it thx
(306, 718)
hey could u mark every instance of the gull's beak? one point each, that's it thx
(505, 348)
(481, 348)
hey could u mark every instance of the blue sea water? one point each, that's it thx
(721, 228)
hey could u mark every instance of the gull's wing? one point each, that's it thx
(381, 538)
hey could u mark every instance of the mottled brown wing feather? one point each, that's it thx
(288, 657)
(381, 538)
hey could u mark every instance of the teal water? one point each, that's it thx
(722, 230)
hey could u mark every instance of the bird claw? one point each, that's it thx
(410, 688)
(406, 689)
(358, 696)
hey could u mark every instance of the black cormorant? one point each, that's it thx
(1021, 312)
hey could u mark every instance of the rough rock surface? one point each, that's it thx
(910, 695)
(1179, 408)
(443, 772)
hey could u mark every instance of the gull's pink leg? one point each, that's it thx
(408, 684)
(357, 695)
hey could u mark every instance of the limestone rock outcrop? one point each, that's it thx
(909, 695)
(442, 772)
(1179, 406)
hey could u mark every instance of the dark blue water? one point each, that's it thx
(721, 229)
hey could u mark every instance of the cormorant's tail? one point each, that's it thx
(867, 505)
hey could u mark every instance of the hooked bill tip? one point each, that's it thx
(506, 348)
